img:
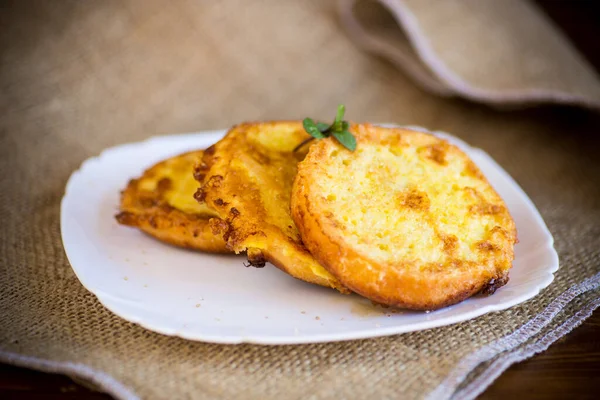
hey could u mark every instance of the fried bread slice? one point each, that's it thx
(406, 220)
(161, 203)
(247, 178)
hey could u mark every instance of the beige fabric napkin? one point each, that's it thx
(504, 53)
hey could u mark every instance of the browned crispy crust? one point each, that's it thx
(405, 283)
(151, 212)
(247, 178)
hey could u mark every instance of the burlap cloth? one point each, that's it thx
(80, 76)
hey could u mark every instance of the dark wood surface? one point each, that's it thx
(568, 369)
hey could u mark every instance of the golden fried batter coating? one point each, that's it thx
(406, 220)
(161, 203)
(247, 178)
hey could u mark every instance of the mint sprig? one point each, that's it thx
(338, 129)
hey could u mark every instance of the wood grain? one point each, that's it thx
(568, 369)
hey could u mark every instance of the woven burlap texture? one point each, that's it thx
(78, 77)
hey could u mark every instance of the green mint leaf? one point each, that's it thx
(340, 129)
(346, 139)
(323, 127)
(311, 128)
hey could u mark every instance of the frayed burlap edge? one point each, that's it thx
(512, 342)
(509, 345)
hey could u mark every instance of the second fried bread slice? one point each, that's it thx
(407, 219)
(161, 203)
(247, 179)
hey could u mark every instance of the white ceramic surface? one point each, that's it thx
(216, 299)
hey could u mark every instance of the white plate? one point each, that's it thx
(216, 299)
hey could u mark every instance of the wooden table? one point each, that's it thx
(570, 368)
